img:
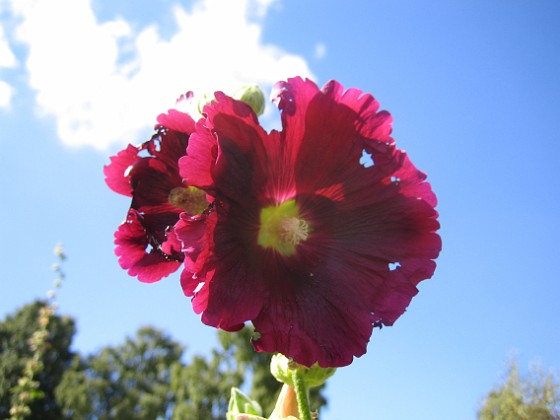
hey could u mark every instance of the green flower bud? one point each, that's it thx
(281, 368)
(204, 100)
(242, 407)
(59, 252)
(253, 96)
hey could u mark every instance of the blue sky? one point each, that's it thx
(474, 88)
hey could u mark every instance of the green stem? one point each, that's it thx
(301, 394)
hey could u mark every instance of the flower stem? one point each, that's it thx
(301, 395)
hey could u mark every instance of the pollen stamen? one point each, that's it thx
(293, 231)
(282, 228)
(192, 200)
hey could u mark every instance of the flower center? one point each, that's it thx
(293, 230)
(191, 200)
(282, 228)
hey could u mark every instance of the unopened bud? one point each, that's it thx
(253, 96)
(59, 252)
(286, 406)
(204, 100)
(242, 407)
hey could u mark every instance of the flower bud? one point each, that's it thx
(204, 100)
(286, 406)
(253, 96)
(59, 252)
(242, 407)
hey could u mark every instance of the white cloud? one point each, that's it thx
(320, 51)
(7, 57)
(6, 92)
(104, 84)
(7, 60)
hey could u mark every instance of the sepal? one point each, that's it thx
(241, 407)
(281, 368)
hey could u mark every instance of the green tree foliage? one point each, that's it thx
(15, 351)
(146, 377)
(130, 381)
(202, 388)
(534, 397)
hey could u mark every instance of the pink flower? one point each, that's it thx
(316, 234)
(145, 242)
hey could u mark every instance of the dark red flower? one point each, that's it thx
(145, 242)
(316, 233)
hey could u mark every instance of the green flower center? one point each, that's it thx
(191, 200)
(282, 228)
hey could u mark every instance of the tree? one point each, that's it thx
(15, 350)
(535, 397)
(130, 381)
(146, 379)
(201, 389)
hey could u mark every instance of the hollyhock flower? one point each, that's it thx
(316, 233)
(145, 242)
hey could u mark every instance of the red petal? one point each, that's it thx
(131, 242)
(116, 173)
(177, 121)
(314, 319)
(215, 284)
(202, 151)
